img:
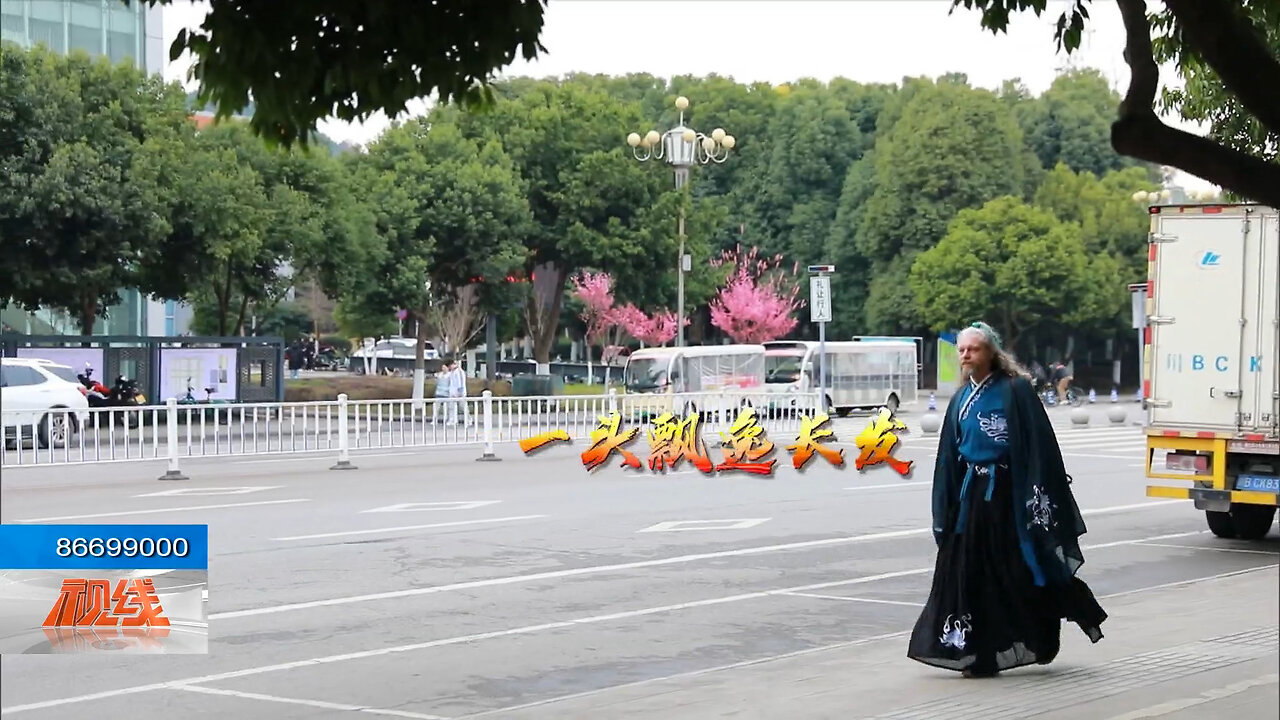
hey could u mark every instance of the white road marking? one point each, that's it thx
(1210, 695)
(692, 673)
(419, 506)
(529, 629)
(1178, 583)
(596, 569)
(376, 531)
(1146, 541)
(683, 525)
(1103, 456)
(188, 508)
(211, 491)
(853, 599)
(327, 454)
(783, 656)
(309, 703)
(891, 485)
(1214, 549)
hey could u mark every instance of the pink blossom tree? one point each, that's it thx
(631, 320)
(757, 302)
(656, 330)
(662, 327)
(595, 292)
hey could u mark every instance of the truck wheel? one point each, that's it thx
(1221, 524)
(1252, 522)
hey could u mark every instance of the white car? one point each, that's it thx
(41, 394)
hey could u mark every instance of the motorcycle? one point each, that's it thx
(124, 393)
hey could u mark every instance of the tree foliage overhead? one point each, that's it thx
(459, 214)
(300, 62)
(80, 214)
(1016, 266)
(1226, 52)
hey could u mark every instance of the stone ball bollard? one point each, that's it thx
(930, 423)
(1079, 416)
(1117, 414)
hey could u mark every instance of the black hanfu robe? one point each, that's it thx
(1007, 528)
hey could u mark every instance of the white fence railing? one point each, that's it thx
(174, 431)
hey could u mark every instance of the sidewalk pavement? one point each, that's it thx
(1202, 650)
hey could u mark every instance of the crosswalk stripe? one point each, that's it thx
(1102, 442)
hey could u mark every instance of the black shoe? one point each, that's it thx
(981, 670)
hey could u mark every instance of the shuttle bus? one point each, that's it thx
(861, 375)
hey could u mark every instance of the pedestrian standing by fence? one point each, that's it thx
(444, 382)
(458, 391)
(1006, 524)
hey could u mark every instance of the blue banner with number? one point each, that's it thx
(104, 547)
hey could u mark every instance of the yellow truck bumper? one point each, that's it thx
(1210, 488)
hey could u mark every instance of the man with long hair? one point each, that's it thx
(1006, 524)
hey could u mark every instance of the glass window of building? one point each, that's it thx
(13, 21)
(122, 33)
(85, 32)
(47, 24)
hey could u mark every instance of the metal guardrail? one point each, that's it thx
(175, 431)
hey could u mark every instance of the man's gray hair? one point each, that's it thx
(1002, 361)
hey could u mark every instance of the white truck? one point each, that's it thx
(1211, 365)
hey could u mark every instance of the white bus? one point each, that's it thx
(666, 371)
(860, 375)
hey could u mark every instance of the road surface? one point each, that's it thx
(425, 585)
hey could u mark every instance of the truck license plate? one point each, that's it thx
(1254, 446)
(1258, 483)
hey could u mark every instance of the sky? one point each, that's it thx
(777, 41)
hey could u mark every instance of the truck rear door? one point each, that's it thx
(1202, 265)
(1261, 380)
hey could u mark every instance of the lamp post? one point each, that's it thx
(682, 147)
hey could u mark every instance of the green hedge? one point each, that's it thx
(374, 387)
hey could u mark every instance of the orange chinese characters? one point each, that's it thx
(530, 444)
(672, 440)
(745, 445)
(876, 441)
(84, 603)
(809, 442)
(606, 440)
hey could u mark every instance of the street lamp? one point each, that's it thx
(1171, 191)
(682, 147)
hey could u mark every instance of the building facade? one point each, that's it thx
(121, 33)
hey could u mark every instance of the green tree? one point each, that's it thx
(1225, 51)
(812, 141)
(302, 62)
(587, 199)
(1071, 123)
(1110, 221)
(1019, 268)
(238, 218)
(851, 282)
(953, 147)
(80, 215)
(1204, 97)
(452, 213)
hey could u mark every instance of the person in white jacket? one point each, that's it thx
(444, 381)
(458, 391)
